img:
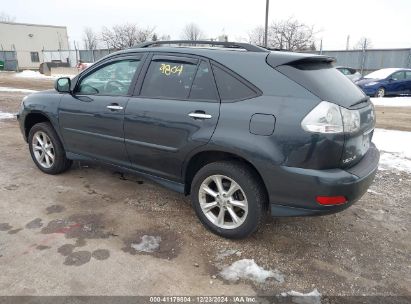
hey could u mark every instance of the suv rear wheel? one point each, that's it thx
(228, 199)
(46, 149)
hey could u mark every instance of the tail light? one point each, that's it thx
(328, 117)
(331, 200)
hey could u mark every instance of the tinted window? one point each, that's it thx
(408, 74)
(398, 76)
(168, 79)
(203, 86)
(324, 81)
(112, 79)
(230, 88)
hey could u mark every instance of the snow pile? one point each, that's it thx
(14, 90)
(395, 148)
(313, 297)
(248, 269)
(30, 74)
(392, 101)
(148, 243)
(4, 115)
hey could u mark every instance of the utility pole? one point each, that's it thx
(348, 43)
(321, 47)
(267, 4)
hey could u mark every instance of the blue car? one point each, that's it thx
(386, 82)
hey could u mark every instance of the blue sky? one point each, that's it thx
(385, 22)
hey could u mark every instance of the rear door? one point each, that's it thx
(175, 110)
(91, 118)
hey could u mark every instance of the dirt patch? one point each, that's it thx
(15, 231)
(78, 258)
(55, 209)
(101, 254)
(394, 118)
(168, 241)
(80, 226)
(42, 247)
(66, 249)
(5, 227)
(34, 224)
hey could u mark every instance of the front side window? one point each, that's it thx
(168, 79)
(34, 56)
(408, 75)
(112, 79)
(230, 88)
(398, 76)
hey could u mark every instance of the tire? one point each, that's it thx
(380, 92)
(209, 206)
(52, 146)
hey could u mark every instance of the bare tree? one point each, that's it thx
(192, 31)
(363, 44)
(6, 17)
(125, 35)
(291, 35)
(90, 39)
(256, 35)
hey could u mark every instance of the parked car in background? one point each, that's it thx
(351, 73)
(386, 82)
(243, 132)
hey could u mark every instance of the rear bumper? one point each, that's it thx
(293, 191)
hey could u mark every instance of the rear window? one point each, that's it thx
(230, 88)
(323, 80)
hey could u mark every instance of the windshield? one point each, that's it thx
(380, 74)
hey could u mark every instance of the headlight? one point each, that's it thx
(328, 117)
(370, 83)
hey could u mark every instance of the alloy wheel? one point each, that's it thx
(43, 149)
(223, 201)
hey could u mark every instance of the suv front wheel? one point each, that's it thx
(46, 149)
(228, 199)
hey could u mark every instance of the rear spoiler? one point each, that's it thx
(276, 59)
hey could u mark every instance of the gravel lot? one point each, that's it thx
(76, 233)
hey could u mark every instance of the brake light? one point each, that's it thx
(331, 200)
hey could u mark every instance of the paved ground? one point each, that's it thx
(72, 234)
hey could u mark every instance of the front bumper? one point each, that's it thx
(369, 90)
(294, 190)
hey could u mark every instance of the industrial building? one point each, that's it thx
(22, 44)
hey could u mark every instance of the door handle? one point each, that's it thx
(200, 115)
(115, 107)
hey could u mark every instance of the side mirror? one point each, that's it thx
(63, 85)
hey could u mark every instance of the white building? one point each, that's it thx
(29, 40)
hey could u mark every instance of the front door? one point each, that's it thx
(176, 111)
(91, 118)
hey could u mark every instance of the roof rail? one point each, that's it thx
(232, 45)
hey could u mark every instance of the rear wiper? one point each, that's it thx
(362, 100)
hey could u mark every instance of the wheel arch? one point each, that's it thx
(202, 158)
(34, 118)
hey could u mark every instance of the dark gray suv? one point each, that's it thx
(243, 130)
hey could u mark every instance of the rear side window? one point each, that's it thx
(230, 88)
(323, 80)
(169, 79)
(203, 87)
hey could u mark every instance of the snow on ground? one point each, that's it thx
(313, 297)
(148, 243)
(248, 269)
(395, 148)
(15, 90)
(392, 101)
(38, 75)
(4, 115)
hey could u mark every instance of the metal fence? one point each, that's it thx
(73, 56)
(10, 60)
(367, 61)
